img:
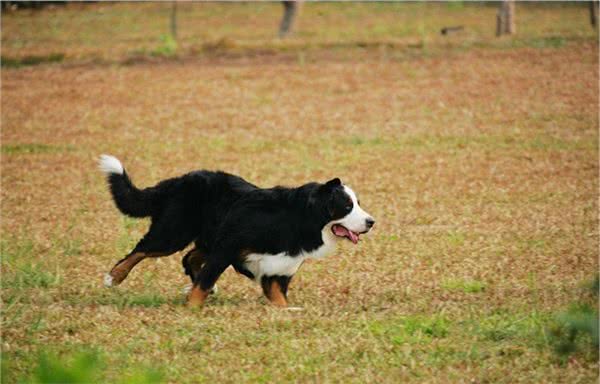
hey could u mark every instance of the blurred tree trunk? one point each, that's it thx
(289, 16)
(505, 20)
(594, 13)
(174, 20)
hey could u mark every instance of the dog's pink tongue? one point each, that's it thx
(342, 231)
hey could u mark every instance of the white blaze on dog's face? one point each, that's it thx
(349, 220)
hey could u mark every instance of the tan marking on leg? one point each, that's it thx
(196, 297)
(122, 269)
(276, 296)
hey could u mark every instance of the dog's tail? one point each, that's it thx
(129, 199)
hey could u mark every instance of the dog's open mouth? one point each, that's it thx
(341, 231)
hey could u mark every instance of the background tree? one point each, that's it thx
(289, 16)
(174, 20)
(505, 20)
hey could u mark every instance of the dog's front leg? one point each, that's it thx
(275, 289)
(205, 279)
(197, 296)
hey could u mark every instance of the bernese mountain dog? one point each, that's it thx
(264, 234)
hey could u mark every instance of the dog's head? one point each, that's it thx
(341, 207)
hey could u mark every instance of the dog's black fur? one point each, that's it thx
(227, 218)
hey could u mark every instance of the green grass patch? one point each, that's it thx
(34, 148)
(453, 142)
(466, 286)
(30, 275)
(82, 366)
(499, 328)
(545, 143)
(455, 239)
(364, 141)
(542, 42)
(576, 329)
(13, 249)
(20, 269)
(167, 47)
(409, 329)
(527, 329)
(455, 5)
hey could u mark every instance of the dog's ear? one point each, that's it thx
(323, 195)
(333, 183)
(326, 190)
(329, 186)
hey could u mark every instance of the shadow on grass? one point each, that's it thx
(127, 299)
(123, 300)
(13, 62)
(228, 48)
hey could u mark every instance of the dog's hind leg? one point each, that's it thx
(156, 243)
(169, 232)
(120, 271)
(193, 261)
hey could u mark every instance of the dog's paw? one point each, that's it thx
(188, 288)
(108, 280)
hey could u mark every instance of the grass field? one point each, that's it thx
(477, 156)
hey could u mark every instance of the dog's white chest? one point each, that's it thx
(280, 264)
(283, 264)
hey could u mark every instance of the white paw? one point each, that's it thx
(188, 288)
(108, 280)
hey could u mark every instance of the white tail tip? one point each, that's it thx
(110, 164)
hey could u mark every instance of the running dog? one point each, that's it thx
(264, 234)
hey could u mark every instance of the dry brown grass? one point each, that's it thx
(481, 167)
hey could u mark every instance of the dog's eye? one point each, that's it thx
(348, 207)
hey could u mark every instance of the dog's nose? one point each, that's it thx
(370, 222)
